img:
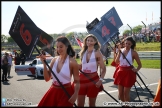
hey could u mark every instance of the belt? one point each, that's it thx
(65, 85)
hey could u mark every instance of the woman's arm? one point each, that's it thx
(102, 67)
(118, 54)
(136, 57)
(75, 72)
(101, 64)
(46, 72)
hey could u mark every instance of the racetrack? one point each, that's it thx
(32, 90)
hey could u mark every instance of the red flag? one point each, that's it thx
(80, 43)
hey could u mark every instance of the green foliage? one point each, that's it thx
(3, 38)
(145, 63)
(137, 29)
(70, 35)
(127, 32)
(10, 39)
(155, 46)
(150, 64)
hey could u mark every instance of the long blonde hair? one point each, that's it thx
(97, 45)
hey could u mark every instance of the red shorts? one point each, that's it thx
(116, 66)
(88, 87)
(56, 96)
(116, 70)
(125, 77)
(113, 63)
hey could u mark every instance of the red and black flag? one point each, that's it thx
(24, 32)
(46, 42)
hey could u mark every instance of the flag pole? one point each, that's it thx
(55, 77)
(94, 81)
(136, 72)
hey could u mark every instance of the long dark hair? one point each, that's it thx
(132, 41)
(66, 42)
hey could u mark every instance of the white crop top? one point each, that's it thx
(64, 74)
(91, 66)
(123, 61)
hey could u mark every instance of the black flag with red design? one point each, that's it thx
(24, 32)
(46, 42)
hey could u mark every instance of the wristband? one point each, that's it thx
(101, 79)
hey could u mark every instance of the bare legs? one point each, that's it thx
(124, 93)
(81, 101)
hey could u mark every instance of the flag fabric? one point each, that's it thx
(24, 32)
(103, 30)
(46, 42)
(113, 17)
(87, 23)
(80, 43)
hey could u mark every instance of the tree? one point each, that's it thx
(3, 38)
(137, 29)
(10, 39)
(70, 35)
(127, 32)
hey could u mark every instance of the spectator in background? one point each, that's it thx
(158, 35)
(17, 58)
(9, 64)
(22, 58)
(4, 67)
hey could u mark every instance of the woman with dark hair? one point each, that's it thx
(64, 67)
(91, 58)
(115, 54)
(125, 76)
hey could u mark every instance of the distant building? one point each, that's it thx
(150, 27)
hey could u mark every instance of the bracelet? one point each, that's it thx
(101, 79)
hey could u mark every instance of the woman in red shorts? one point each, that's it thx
(91, 58)
(115, 54)
(125, 77)
(64, 67)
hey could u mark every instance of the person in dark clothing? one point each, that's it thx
(17, 58)
(4, 68)
(22, 58)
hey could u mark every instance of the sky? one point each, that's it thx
(65, 17)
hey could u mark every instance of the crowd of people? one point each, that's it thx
(6, 63)
(19, 58)
(149, 36)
